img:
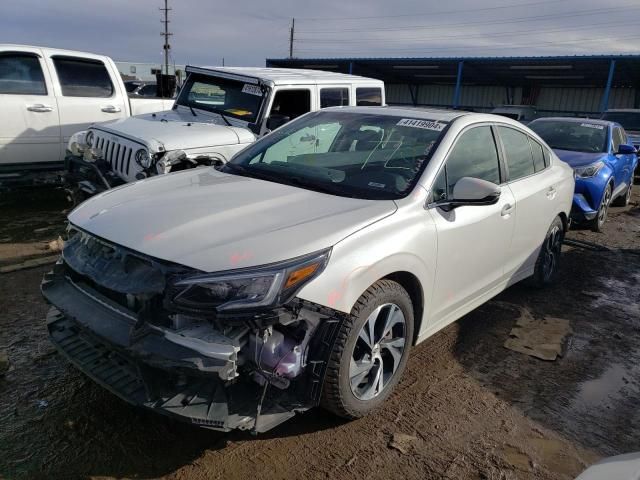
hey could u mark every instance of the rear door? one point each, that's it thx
(472, 240)
(87, 93)
(533, 183)
(29, 124)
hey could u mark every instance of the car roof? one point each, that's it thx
(594, 121)
(50, 50)
(413, 112)
(289, 76)
(622, 110)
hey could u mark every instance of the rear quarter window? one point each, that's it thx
(368, 96)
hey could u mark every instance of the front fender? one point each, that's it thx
(593, 188)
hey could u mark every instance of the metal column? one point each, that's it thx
(607, 90)
(456, 93)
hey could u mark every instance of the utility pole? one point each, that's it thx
(291, 34)
(166, 36)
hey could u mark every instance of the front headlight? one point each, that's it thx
(255, 288)
(589, 170)
(142, 158)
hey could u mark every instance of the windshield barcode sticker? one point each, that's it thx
(592, 125)
(252, 89)
(426, 124)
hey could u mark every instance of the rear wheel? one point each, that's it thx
(370, 352)
(548, 262)
(623, 200)
(598, 222)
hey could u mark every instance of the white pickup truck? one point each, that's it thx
(46, 95)
(220, 110)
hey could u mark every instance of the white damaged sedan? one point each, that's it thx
(302, 273)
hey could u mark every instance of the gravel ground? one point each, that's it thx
(466, 407)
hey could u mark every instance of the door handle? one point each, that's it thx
(111, 109)
(506, 210)
(40, 108)
(551, 192)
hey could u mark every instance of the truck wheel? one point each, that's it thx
(598, 222)
(623, 200)
(546, 269)
(370, 352)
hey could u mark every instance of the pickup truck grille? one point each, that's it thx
(119, 152)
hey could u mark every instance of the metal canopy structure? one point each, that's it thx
(597, 71)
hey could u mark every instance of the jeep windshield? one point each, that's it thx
(585, 136)
(362, 155)
(231, 98)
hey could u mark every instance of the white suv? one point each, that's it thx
(304, 271)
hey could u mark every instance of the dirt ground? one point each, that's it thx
(470, 408)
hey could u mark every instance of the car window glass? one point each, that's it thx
(473, 155)
(518, 153)
(334, 97)
(577, 136)
(83, 78)
(539, 161)
(21, 74)
(315, 139)
(148, 90)
(292, 103)
(370, 97)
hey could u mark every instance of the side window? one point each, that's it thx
(539, 161)
(518, 152)
(473, 155)
(368, 97)
(617, 139)
(334, 97)
(148, 90)
(292, 103)
(21, 74)
(80, 77)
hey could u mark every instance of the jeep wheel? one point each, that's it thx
(370, 352)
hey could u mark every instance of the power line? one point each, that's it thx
(491, 22)
(478, 35)
(447, 12)
(487, 47)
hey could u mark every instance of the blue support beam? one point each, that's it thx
(607, 90)
(456, 93)
(350, 68)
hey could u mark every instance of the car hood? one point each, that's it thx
(175, 129)
(579, 159)
(215, 221)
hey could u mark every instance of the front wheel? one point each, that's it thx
(598, 222)
(548, 262)
(370, 352)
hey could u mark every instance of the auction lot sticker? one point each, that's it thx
(592, 125)
(426, 124)
(251, 89)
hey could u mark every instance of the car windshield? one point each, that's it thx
(220, 95)
(359, 155)
(628, 120)
(583, 136)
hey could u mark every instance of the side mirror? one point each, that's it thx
(472, 191)
(626, 149)
(276, 120)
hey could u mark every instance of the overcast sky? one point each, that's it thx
(245, 32)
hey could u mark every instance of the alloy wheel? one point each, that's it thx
(377, 352)
(551, 251)
(604, 206)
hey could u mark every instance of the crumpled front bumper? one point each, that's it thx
(581, 210)
(90, 178)
(151, 367)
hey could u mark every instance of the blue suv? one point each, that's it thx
(602, 160)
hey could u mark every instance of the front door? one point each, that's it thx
(472, 240)
(29, 125)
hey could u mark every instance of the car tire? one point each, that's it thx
(548, 261)
(597, 223)
(362, 373)
(624, 200)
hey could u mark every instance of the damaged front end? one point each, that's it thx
(214, 351)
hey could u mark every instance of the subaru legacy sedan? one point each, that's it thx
(602, 159)
(304, 271)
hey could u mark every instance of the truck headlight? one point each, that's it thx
(254, 288)
(588, 171)
(143, 159)
(89, 137)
